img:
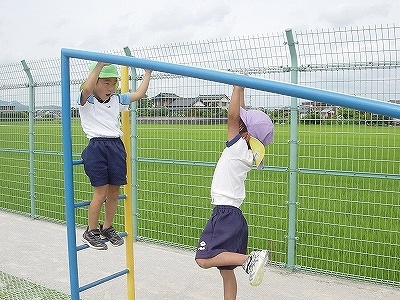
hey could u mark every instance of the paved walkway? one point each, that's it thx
(36, 250)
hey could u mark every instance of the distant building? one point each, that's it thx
(175, 102)
(7, 107)
(164, 99)
(48, 114)
(326, 110)
(220, 100)
(185, 103)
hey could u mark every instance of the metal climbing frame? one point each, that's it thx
(293, 90)
(71, 206)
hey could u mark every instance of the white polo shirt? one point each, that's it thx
(102, 119)
(227, 187)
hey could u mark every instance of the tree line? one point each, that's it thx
(282, 116)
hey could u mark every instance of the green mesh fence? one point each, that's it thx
(14, 288)
(348, 215)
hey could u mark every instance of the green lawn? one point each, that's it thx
(345, 224)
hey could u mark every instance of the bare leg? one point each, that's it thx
(230, 284)
(111, 205)
(99, 195)
(222, 259)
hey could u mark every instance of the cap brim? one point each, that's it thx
(258, 150)
(81, 86)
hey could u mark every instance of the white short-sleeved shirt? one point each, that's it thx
(102, 119)
(227, 187)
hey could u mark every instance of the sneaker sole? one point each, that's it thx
(114, 245)
(258, 276)
(117, 245)
(93, 247)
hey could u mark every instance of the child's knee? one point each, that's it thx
(202, 263)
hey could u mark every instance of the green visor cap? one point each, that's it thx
(109, 71)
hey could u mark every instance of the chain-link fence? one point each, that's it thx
(347, 191)
(12, 287)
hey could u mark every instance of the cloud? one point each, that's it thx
(41, 29)
(174, 23)
(353, 14)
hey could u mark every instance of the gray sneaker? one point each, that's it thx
(254, 266)
(112, 235)
(93, 240)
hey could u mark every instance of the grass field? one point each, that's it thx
(348, 215)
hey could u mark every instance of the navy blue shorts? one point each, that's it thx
(225, 231)
(104, 161)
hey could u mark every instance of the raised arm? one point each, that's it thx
(234, 111)
(141, 91)
(90, 83)
(242, 99)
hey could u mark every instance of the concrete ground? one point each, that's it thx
(37, 251)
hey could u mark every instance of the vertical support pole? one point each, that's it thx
(134, 147)
(31, 139)
(134, 160)
(293, 144)
(128, 192)
(68, 176)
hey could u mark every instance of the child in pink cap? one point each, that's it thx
(223, 243)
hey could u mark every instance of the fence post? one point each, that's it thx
(293, 144)
(31, 138)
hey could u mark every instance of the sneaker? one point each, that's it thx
(254, 266)
(93, 240)
(112, 235)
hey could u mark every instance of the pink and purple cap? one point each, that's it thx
(260, 127)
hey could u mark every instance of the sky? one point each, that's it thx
(34, 30)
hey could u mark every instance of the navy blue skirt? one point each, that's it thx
(225, 231)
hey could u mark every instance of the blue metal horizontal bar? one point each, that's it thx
(82, 204)
(283, 88)
(102, 280)
(77, 162)
(84, 246)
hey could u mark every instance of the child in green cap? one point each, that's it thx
(104, 158)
